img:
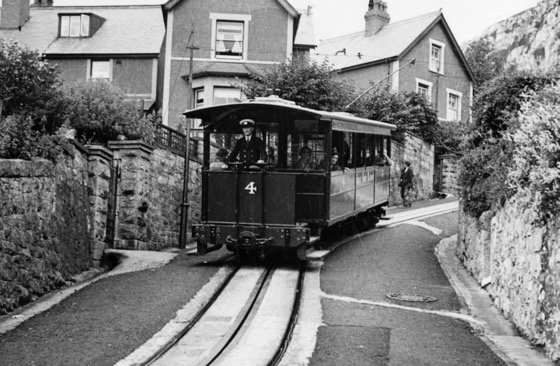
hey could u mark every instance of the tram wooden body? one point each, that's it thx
(277, 207)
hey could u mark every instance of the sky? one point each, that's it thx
(466, 18)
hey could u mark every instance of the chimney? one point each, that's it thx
(376, 16)
(14, 13)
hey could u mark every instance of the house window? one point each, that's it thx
(424, 88)
(74, 25)
(198, 103)
(100, 70)
(437, 51)
(454, 105)
(229, 39)
(224, 95)
(198, 98)
(229, 36)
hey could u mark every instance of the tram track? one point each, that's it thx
(248, 321)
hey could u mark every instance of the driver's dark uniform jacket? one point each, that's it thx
(249, 152)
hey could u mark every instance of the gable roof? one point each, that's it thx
(284, 3)
(134, 30)
(391, 42)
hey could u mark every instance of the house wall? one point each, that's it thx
(365, 77)
(267, 43)
(454, 77)
(133, 75)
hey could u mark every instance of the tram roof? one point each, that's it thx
(275, 110)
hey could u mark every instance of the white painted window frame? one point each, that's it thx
(459, 106)
(89, 62)
(427, 83)
(245, 18)
(441, 46)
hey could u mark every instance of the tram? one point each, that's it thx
(280, 205)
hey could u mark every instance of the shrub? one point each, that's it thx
(489, 148)
(535, 172)
(19, 140)
(99, 112)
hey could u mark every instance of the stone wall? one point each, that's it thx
(446, 175)
(421, 156)
(54, 217)
(44, 221)
(518, 263)
(149, 196)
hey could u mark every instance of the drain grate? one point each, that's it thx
(411, 298)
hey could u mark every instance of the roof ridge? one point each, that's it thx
(418, 17)
(400, 22)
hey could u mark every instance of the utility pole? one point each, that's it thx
(185, 202)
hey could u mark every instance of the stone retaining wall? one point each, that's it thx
(518, 263)
(421, 156)
(53, 217)
(44, 221)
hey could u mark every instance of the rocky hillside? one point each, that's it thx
(530, 39)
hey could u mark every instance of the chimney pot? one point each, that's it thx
(376, 17)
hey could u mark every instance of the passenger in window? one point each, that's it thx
(334, 162)
(305, 160)
(219, 160)
(250, 149)
(369, 158)
(383, 159)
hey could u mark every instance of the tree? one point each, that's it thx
(28, 85)
(409, 111)
(485, 63)
(303, 81)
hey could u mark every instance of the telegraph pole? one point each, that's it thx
(185, 202)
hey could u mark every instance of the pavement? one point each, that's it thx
(121, 317)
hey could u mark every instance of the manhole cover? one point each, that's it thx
(411, 298)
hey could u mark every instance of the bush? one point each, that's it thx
(19, 140)
(489, 149)
(535, 172)
(99, 112)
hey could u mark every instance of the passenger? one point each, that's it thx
(383, 159)
(369, 158)
(406, 184)
(219, 160)
(305, 161)
(250, 148)
(334, 162)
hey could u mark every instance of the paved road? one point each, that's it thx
(363, 326)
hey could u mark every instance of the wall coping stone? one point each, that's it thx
(131, 145)
(99, 151)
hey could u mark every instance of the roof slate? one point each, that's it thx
(126, 30)
(388, 42)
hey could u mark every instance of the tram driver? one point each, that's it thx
(250, 148)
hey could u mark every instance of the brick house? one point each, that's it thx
(232, 40)
(440, 70)
(117, 43)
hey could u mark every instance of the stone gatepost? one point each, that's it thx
(131, 160)
(99, 179)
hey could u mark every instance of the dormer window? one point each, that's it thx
(79, 25)
(74, 25)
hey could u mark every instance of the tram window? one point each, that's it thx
(310, 144)
(342, 143)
